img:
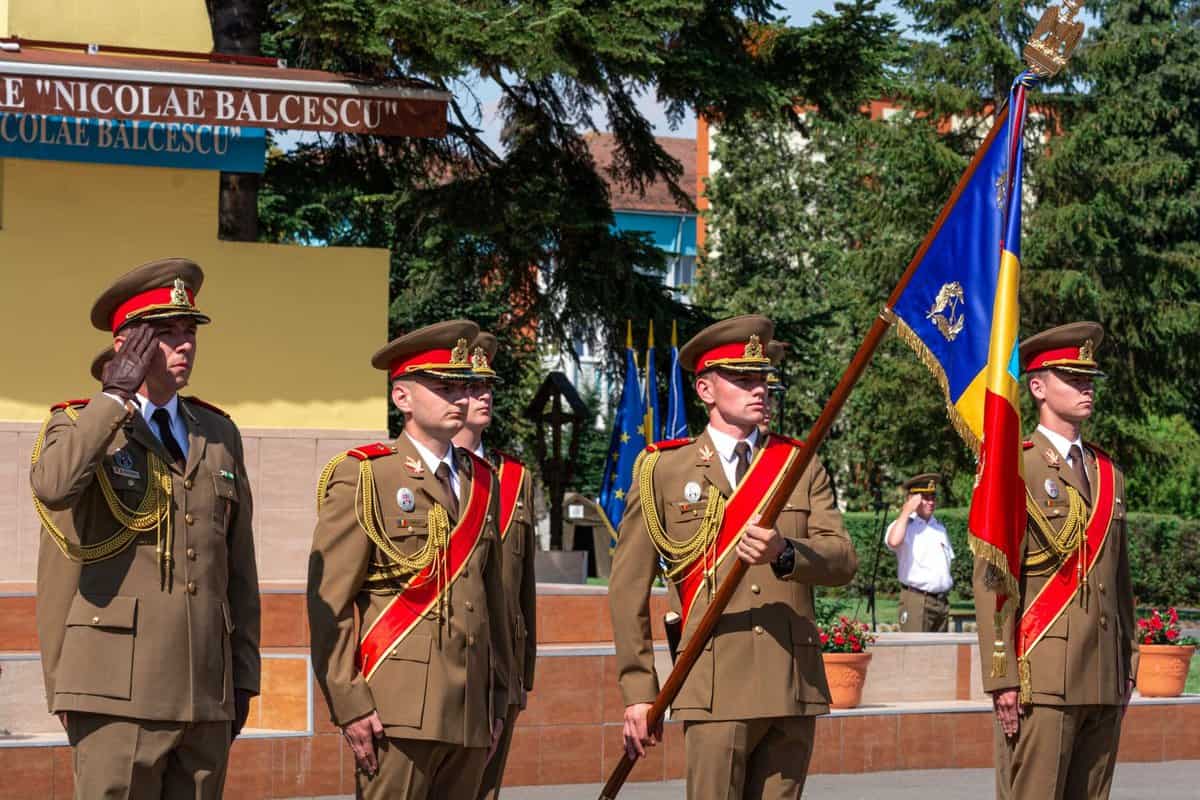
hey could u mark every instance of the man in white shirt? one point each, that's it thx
(924, 554)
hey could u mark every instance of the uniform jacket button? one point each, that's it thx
(191, 553)
(758, 629)
(187, 484)
(469, 605)
(188, 518)
(754, 587)
(1103, 620)
(95, 620)
(470, 640)
(1101, 588)
(191, 587)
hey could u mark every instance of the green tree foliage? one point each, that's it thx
(1114, 238)
(816, 231)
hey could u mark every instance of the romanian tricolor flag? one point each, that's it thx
(959, 311)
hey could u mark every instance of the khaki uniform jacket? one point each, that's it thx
(520, 588)
(114, 639)
(446, 681)
(1087, 655)
(764, 659)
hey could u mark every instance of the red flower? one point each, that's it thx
(1174, 615)
(839, 639)
(1148, 640)
(1172, 635)
(1156, 622)
(824, 638)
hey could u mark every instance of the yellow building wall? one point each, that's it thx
(160, 24)
(293, 327)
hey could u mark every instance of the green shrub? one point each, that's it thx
(1164, 551)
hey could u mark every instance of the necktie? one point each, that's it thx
(1076, 457)
(742, 451)
(443, 475)
(163, 420)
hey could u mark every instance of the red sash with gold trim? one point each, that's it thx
(512, 475)
(407, 608)
(748, 499)
(1058, 591)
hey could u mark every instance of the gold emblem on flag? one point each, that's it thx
(1054, 38)
(179, 294)
(945, 313)
(754, 348)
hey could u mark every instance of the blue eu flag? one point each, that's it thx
(627, 443)
(675, 425)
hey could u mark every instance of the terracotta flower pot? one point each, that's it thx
(846, 673)
(1163, 669)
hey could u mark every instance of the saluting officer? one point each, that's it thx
(517, 543)
(148, 608)
(407, 536)
(923, 553)
(1059, 702)
(749, 705)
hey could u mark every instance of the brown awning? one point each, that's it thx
(49, 81)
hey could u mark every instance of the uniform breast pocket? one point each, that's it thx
(1048, 660)
(793, 522)
(683, 518)
(519, 528)
(399, 684)
(408, 534)
(225, 499)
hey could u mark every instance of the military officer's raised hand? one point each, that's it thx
(361, 735)
(126, 372)
(759, 545)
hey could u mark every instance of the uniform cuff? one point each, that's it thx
(353, 703)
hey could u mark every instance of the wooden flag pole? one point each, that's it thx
(775, 503)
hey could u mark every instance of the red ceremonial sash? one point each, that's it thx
(1058, 591)
(512, 475)
(747, 499)
(408, 607)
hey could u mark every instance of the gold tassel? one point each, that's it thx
(999, 660)
(1026, 694)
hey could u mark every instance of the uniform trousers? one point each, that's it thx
(754, 758)
(1059, 753)
(117, 758)
(921, 613)
(420, 769)
(493, 775)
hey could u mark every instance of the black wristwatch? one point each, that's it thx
(785, 562)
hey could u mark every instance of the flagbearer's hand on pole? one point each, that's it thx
(1008, 711)
(637, 736)
(759, 545)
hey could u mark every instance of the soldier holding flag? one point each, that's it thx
(749, 706)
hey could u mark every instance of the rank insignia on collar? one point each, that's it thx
(414, 465)
(1053, 459)
(706, 454)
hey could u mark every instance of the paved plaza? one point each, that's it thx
(1172, 780)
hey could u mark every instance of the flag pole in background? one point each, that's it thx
(653, 419)
(675, 426)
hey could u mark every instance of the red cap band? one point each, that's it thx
(144, 300)
(426, 359)
(726, 352)
(1060, 354)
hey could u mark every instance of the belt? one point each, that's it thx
(934, 595)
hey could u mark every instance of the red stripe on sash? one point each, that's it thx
(1059, 590)
(747, 500)
(406, 609)
(512, 475)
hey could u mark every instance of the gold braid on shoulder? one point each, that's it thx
(680, 554)
(152, 514)
(1054, 546)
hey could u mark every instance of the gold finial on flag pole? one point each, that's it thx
(1054, 39)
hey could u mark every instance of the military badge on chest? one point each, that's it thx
(1051, 487)
(123, 465)
(691, 492)
(406, 499)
